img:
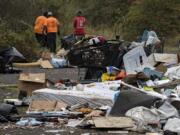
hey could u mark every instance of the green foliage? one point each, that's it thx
(105, 17)
(24, 41)
(159, 15)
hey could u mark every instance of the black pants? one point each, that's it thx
(51, 42)
(42, 40)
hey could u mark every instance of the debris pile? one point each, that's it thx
(141, 94)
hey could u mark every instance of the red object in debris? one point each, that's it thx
(101, 39)
(121, 75)
(79, 25)
(60, 81)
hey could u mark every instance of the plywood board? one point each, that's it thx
(113, 122)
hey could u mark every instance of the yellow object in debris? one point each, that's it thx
(108, 77)
(85, 110)
(146, 88)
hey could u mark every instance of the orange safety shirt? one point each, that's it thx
(52, 25)
(39, 24)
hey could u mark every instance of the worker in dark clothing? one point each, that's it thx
(79, 25)
(52, 29)
(39, 29)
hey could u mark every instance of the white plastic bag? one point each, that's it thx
(143, 114)
(152, 40)
(173, 125)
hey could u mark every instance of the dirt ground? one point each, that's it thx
(56, 131)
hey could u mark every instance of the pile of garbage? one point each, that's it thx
(142, 95)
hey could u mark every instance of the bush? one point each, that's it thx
(159, 15)
(127, 18)
(24, 41)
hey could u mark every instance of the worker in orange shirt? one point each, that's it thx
(39, 29)
(52, 28)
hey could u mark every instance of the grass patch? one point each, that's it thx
(8, 92)
(171, 44)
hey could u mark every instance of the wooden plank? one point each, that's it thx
(25, 65)
(113, 122)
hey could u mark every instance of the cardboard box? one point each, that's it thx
(29, 82)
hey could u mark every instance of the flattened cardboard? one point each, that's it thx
(45, 105)
(46, 64)
(35, 77)
(42, 105)
(113, 122)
